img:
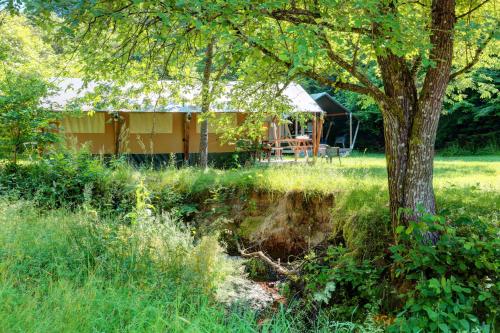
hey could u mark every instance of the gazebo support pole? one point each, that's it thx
(314, 137)
(350, 130)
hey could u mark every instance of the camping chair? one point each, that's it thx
(331, 152)
(340, 140)
(322, 149)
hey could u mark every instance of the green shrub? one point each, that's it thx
(66, 178)
(451, 281)
(349, 288)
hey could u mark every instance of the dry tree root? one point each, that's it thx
(280, 269)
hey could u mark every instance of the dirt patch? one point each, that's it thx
(282, 225)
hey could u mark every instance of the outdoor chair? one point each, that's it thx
(331, 152)
(340, 140)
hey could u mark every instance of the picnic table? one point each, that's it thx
(298, 144)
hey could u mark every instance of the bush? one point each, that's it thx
(69, 179)
(451, 282)
(348, 287)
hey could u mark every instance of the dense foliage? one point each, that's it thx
(468, 123)
(25, 62)
(448, 285)
(357, 278)
(452, 283)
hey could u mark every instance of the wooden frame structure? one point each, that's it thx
(332, 109)
(296, 143)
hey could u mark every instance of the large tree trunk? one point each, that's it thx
(205, 104)
(410, 167)
(410, 126)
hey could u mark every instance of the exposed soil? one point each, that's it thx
(282, 225)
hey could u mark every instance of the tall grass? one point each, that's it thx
(69, 272)
(63, 271)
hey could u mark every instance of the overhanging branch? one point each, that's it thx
(309, 73)
(470, 11)
(477, 55)
(302, 16)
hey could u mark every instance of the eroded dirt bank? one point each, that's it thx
(282, 225)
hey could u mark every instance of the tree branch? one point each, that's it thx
(441, 40)
(472, 9)
(374, 91)
(311, 74)
(303, 16)
(415, 67)
(477, 55)
(259, 254)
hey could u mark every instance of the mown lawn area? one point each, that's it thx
(355, 171)
(470, 182)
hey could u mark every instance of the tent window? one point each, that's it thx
(224, 118)
(85, 124)
(150, 122)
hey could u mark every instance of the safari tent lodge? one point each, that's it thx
(155, 128)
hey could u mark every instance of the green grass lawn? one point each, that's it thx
(322, 177)
(471, 182)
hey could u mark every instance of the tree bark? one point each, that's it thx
(410, 125)
(205, 104)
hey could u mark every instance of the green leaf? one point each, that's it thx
(431, 313)
(434, 284)
(400, 229)
(444, 327)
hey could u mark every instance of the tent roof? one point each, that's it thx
(71, 89)
(328, 104)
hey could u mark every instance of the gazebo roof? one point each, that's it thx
(329, 105)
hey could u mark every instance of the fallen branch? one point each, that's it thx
(259, 254)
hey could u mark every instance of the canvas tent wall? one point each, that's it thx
(149, 123)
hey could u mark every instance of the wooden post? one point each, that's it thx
(350, 130)
(314, 137)
(319, 131)
(116, 129)
(278, 140)
(187, 123)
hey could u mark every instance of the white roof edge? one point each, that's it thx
(71, 88)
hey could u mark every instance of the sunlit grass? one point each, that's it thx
(323, 177)
(359, 182)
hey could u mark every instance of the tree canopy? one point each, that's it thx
(26, 62)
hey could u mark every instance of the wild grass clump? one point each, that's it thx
(80, 272)
(70, 271)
